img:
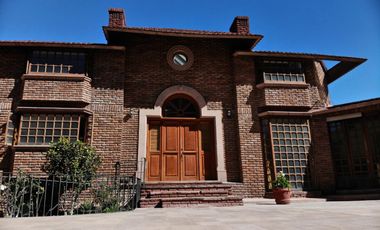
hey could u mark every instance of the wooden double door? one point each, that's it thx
(180, 150)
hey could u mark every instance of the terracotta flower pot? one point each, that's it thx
(282, 195)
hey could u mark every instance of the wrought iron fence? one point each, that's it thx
(25, 195)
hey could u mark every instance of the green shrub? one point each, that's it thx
(76, 162)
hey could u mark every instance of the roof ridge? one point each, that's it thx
(170, 29)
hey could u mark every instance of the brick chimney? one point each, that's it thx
(240, 25)
(117, 18)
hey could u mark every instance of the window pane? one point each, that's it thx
(291, 155)
(65, 132)
(23, 139)
(41, 124)
(57, 69)
(32, 132)
(40, 140)
(41, 68)
(49, 68)
(42, 128)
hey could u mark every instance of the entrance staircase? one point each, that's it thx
(187, 194)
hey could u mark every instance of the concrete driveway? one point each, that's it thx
(255, 214)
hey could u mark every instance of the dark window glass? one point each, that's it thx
(57, 62)
(180, 107)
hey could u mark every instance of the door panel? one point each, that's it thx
(190, 166)
(189, 151)
(154, 168)
(171, 165)
(154, 152)
(171, 137)
(170, 151)
(189, 137)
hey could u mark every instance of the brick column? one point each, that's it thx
(249, 135)
(322, 171)
(107, 104)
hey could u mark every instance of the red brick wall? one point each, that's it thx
(285, 96)
(43, 88)
(30, 162)
(315, 75)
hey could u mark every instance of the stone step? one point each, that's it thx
(165, 187)
(165, 194)
(188, 188)
(206, 189)
(190, 202)
(201, 201)
(184, 193)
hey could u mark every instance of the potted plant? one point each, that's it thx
(281, 189)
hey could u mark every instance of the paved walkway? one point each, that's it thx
(255, 214)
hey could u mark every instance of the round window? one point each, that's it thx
(180, 59)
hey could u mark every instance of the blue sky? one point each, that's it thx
(336, 27)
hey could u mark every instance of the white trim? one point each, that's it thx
(217, 115)
(343, 117)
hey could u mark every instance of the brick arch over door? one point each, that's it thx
(216, 115)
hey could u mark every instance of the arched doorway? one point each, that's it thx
(180, 144)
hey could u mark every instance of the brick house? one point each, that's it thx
(186, 105)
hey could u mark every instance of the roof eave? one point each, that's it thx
(59, 45)
(254, 37)
(348, 107)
